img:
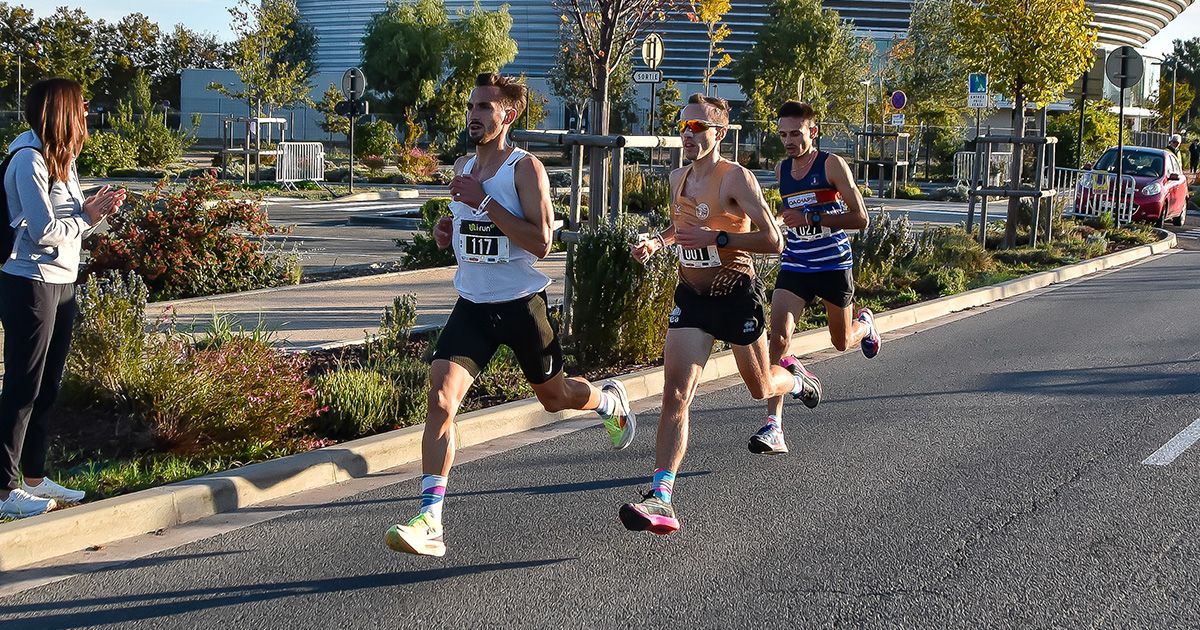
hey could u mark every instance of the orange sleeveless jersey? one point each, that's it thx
(712, 270)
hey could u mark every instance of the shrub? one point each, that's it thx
(375, 138)
(909, 192)
(885, 245)
(417, 162)
(422, 251)
(104, 152)
(358, 402)
(954, 247)
(649, 194)
(774, 198)
(375, 164)
(501, 381)
(108, 346)
(950, 193)
(190, 243)
(942, 281)
(395, 329)
(620, 307)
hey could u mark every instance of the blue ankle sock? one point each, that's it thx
(663, 484)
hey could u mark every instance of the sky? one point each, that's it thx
(212, 16)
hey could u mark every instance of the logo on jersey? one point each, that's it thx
(702, 211)
(678, 209)
(674, 317)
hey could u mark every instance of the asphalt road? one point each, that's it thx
(987, 472)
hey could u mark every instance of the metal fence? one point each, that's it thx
(964, 167)
(1092, 193)
(300, 162)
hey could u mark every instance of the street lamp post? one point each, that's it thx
(1174, 66)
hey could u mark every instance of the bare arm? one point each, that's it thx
(855, 217)
(532, 231)
(643, 250)
(741, 189)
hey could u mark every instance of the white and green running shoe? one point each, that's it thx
(422, 536)
(623, 422)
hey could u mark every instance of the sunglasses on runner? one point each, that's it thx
(698, 126)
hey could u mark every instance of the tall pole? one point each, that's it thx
(1082, 108)
(19, 86)
(1174, 65)
(652, 132)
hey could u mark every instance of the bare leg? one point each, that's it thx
(684, 356)
(763, 379)
(449, 383)
(560, 393)
(785, 308)
(844, 330)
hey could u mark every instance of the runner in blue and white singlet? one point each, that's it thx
(810, 248)
(820, 202)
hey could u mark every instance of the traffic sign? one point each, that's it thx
(977, 90)
(1124, 67)
(354, 84)
(897, 120)
(652, 50)
(899, 99)
(647, 76)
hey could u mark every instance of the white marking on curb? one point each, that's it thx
(1176, 446)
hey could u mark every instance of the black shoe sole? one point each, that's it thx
(762, 448)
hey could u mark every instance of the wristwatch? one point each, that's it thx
(722, 239)
(814, 219)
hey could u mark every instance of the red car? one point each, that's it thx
(1161, 191)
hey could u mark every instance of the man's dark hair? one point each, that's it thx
(512, 93)
(796, 109)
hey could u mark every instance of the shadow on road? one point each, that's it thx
(127, 608)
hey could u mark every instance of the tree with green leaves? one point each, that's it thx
(670, 103)
(271, 79)
(1161, 103)
(801, 38)
(1100, 128)
(404, 53)
(710, 13)
(331, 121)
(535, 112)
(18, 46)
(122, 49)
(571, 77)
(67, 47)
(1186, 53)
(180, 49)
(1032, 50)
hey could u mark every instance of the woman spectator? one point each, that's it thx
(50, 218)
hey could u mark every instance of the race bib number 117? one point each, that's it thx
(482, 242)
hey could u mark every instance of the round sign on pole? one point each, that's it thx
(354, 84)
(1124, 67)
(899, 99)
(652, 50)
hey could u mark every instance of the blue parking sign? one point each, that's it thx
(978, 83)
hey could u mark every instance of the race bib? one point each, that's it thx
(810, 233)
(482, 242)
(801, 200)
(700, 258)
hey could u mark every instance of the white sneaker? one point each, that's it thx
(50, 490)
(21, 504)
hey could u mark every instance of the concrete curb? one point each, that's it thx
(380, 195)
(41, 538)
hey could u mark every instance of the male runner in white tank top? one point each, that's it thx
(500, 228)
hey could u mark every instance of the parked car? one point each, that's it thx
(1160, 187)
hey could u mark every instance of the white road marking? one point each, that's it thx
(355, 205)
(1176, 446)
(1193, 233)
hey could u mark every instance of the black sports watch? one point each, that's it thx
(722, 239)
(814, 219)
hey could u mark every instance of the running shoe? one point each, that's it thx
(50, 490)
(422, 536)
(870, 344)
(651, 514)
(21, 504)
(623, 422)
(810, 385)
(768, 441)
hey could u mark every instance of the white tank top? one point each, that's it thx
(491, 268)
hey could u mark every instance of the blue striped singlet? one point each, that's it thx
(813, 249)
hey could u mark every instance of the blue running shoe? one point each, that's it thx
(768, 441)
(810, 385)
(871, 343)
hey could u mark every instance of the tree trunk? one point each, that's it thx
(1014, 202)
(598, 168)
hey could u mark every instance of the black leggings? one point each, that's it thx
(37, 318)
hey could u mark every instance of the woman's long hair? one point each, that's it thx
(54, 109)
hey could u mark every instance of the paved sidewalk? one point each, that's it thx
(338, 312)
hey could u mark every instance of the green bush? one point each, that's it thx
(104, 152)
(199, 241)
(886, 245)
(193, 399)
(501, 381)
(417, 162)
(909, 192)
(942, 281)
(390, 345)
(953, 247)
(422, 251)
(620, 307)
(950, 193)
(411, 380)
(358, 402)
(375, 138)
(774, 199)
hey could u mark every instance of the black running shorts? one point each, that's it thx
(738, 318)
(835, 286)
(475, 331)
